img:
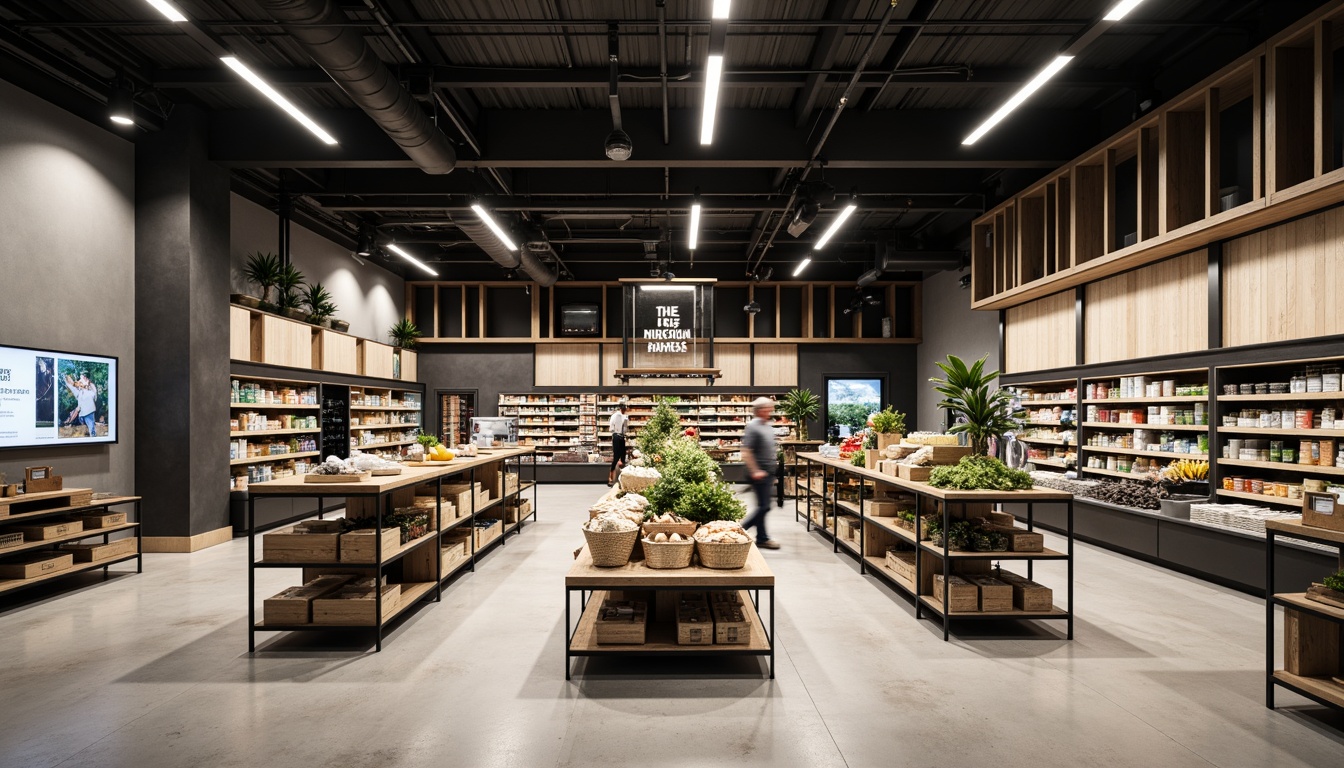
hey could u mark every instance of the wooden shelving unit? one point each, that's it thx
(878, 534)
(1179, 395)
(279, 401)
(382, 494)
(37, 506)
(1317, 656)
(1048, 443)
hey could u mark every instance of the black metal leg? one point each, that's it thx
(438, 539)
(947, 573)
(139, 540)
(1070, 565)
(251, 573)
(569, 641)
(1031, 564)
(863, 564)
(1270, 661)
(378, 574)
(772, 633)
(919, 553)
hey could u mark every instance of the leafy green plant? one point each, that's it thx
(428, 441)
(661, 427)
(985, 540)
(976, 473)
(960, 535)
(287, 283)
(683, 458)
(263, 270)
(1335, 582)
(800, 405)
(889, 421)
(709, 501)
(982, 413)
(858, 459)
(404, 334)
(318, 300)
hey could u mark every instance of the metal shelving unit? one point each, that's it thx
(1322, 690)
(8, 586)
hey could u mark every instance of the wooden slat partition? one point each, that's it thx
(567, 365)
(776, 365)
(1157, 310)
(240, 334)
(1040, 334)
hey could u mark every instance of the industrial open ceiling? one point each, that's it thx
(521, 91)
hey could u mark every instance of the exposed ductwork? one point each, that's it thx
(340, 50)
(528, 257)
(891, 260)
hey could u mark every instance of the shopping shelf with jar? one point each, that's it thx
(1149, 388)
(245, 392)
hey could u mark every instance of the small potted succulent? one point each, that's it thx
(263, 271)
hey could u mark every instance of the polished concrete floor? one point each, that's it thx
(153, 670)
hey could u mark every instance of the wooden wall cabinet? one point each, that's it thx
(375, 359)
(335, 352)
(261, 337)
(278, 341)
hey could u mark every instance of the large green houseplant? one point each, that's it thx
(263, 271)
(318, 301)
(290, 300)
(664, 425)
(800, 405)
(982, 412)
(404, 334)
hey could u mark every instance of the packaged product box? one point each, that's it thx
(621, 622)
(962, 595)
(296, 544)
(33, 564)
(995, 596)
(1027, 594)
(731, 626)
(354, 605)
(695, 625)
(101, 519)
(92, 553)
(49, 529)
(295, 605)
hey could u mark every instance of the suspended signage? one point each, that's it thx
(668, 327)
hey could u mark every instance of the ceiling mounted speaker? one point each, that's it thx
(619, 146)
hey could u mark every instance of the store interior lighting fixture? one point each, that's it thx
(1121, 10)
(254, 80)
(168, 10)
(718, 38)
(490, 222)
(1019, 98)
(836, 224)
(121, 105)
(393, 247)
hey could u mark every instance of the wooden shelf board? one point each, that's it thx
(1046, 403)
(95, 504)
(1027, 423)
(375, 427)
(394, 444)
(1112, 473)
(1149, 400)
(410, 595)
(273, 406)
(1044, 441)
(1296, 529)
(1320, 687)
(397, 555)
(661, 637)
(1307, 469)
(1291, 396)
(1060, 463)
(1286, 432)
(879, 564)
(276, 457)
(889, 525)
(847, 544)
(1147, 454)
(85, 534)
(1155, 427)
(12, 584)
(637, 575)
(1045, 554)
(937, 607)
(384, 407)
(1299, 601)
(266, 432)
(1261, 498)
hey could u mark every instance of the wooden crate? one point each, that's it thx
(695, 624)
(914, 474)
(949, 454)
(34, 564)
(37, 502)
(995, 596)
(903, 564)
(354, 606)
(418, 566)
(295, 605)
(1001, 518)
(92, 553)
(460, 495)
(1020, 539)
(731, 626)
(362, 546)
(101, 519)
(1027, 594)
(1322, 510)
(962, 595)
(49, 529)
(848, 528)
(1310, 645)
(293, 545)
(881, 508)
(459, 537)
(520, 511)
(621, 622)
(487, 534)
(367, 506)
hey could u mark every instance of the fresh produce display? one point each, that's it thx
(610, 523)
(850, 445)
(858, 459)
(888, 421)
(685, 464)
(709, 502)
(667, 518)
(638, 478)
(662, 426)
(334, 466)
(722, 532)
(660, 538)
(439, 453)
(966, 535)
(1186, 470)
(976, 473)
(930, 438)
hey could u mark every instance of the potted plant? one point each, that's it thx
(983, 413)
(263, 271)
(889, 424)
(800, 405)
(318, 301)
(404, 334)
(290, 301)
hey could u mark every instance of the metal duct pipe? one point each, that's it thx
(890, 260)
(323, 31)
(527, 257)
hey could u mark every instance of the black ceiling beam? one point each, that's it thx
(599, 26)
(824, 52)
(596, 77)
(900, 48)
(715, 205)
(883, 139)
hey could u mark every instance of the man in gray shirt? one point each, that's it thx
(760, 454)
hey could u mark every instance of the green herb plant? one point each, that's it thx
(287, 283)
(889, 421)
(709, 501)
(980, 473)
(1335, 582)
(318, 300)
(662, 426)
(428, 441)
(982, 413)
(858, 459)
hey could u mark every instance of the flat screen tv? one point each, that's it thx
(50, 398)
(579, 320)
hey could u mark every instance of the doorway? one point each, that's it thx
(457, 407)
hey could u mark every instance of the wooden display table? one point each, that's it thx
(37, 508)
(875, 533)
(377, 491)
(1314, 640)
(593, 584)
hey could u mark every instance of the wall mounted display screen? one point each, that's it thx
(56, 398)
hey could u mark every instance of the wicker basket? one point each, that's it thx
(611, 550)
(722, 555)
(685, 529)
(635, 483)
(668, 554)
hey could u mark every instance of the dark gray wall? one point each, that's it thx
(951, 327)
(182, 321)
(897, 361)
(67, 264)
(488, 369)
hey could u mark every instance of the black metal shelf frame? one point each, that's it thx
(139, 555)
(1272, 600)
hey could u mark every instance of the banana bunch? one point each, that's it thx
(1185, 470)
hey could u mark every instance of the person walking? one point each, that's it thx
(761, 456)
(617, 427)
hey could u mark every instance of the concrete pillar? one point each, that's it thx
(182, 336)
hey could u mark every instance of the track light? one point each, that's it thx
(393, 247)
(1121, 10)
(1019, 98)
(713, 73)
(121, 105)
(721, 9)
(365, 247)
(801, 266)
(494, 227)
(167, 9)
(839, 221)
(694, 237)
(280, 101)
(805, 212)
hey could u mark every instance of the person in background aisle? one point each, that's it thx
(617, 426)
(761, 455)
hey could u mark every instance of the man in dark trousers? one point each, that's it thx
(761, 456)
(618, 426)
